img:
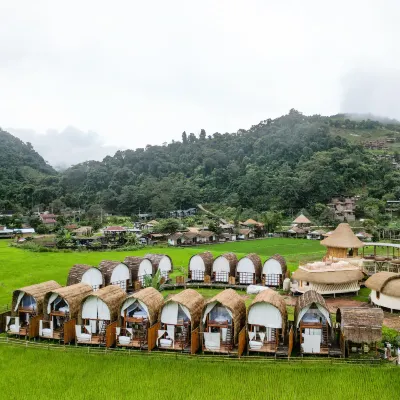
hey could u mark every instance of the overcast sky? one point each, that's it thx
(124, 74)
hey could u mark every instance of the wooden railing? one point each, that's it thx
(152, 336)
(242, 342)
(195, 341)
(69, 331)
(111, 334)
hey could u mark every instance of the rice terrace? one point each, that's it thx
(51, 369)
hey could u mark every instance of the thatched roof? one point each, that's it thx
(107, 267)
(193, 301)
(155, 260)
(208, 260)
(235, 304)
(133, 262)
(387, 283)
(307, 299)
(112, 295)
(37, 291)
(271, 297)
(153, 300)
(232, 259)
(360, 324)
(256, 260)
(328, 277)
(76, 272)
(281, 261)
(302, 219)
(342, 237)
(251, 222)
(73, 295)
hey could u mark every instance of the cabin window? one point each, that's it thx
(378, 294)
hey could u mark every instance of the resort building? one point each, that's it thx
(385, 290)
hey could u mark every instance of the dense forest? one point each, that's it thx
(289, 163)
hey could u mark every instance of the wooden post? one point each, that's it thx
(111, 334)
(152, 335)
(69, 331)
(34, 326)
(291, 337)
(242, 341)
(195, 341)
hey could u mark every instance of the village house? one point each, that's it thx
(344, 207)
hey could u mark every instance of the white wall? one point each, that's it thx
(221, 264)
(197, 264)
(165, 264)
(386, 301)
(120, 273)
(92, 277)
(245, 265)
(272, 266)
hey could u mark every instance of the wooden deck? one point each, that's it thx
(134, 344)
(95, 341)
(212, 285)
(266, 348)
(176, 347)
(222, 350)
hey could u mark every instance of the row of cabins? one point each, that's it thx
(186, 322)
(226, 268)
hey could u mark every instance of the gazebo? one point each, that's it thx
(342, 243)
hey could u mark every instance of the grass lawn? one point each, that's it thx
(20, 268)
(43, 374)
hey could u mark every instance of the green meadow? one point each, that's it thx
(20, 268)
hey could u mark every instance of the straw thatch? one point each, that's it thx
(193, 301)
(328, 277)
(73, 295)
(256, 260)
(360, 324)
(235, 304)
(153, 300)
(76, 272)
(37, 291)
(281, 261)
(232, 259)
(307, 299)
(387, 283)
(302, 219)
(107, 267)
(155, 260)
(342, 237)
(133, 263)
(112, 295)
(208, 260)
(271, 297)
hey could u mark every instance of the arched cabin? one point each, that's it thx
(223, 267)
(116, 273)
(248, 270)
(385, 290)
(161, 262)
(82, 273)
(274, 271)
(224, 316)
(141, 268)
(200, 265)
(139, 313)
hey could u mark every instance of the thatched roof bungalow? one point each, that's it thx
(224, 266)
(224, 316)
(115, 273)
(161, 262)
(140, 268)
(342, 243)
(179, 318)
(274, 271)
(266, 322)
(248, 269)
(139, 312)
(200, 265)
(82, 273)
(385, 289)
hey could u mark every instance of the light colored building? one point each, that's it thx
(385, 290)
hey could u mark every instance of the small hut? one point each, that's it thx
(27, 309)
(266, 322)
(115, 273)
(248, 270)
(385, 290)
(139, 319)
(161, 262)
(223, 267)
(224, 316)
(200, 266)
(82, 273)
(61, 308)
(98, 314)
(179, 322)
(360, 327)
(313, 323)
(140, 268)
(274, 271)
(342, 243)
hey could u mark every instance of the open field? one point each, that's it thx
(44, 374)
(19, 268)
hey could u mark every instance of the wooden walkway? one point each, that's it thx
(172, 286)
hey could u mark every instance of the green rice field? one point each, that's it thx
(20, 268)
(48, 374)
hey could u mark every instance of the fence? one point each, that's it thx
(197, 275)
(221, 276)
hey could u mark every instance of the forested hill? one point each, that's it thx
(287, 163)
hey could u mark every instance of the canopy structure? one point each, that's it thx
(224, 266)
(385, 289)
(32, 297)
(200, 265)
(360, 324)
(268, 309)
(70, 296)
(342, 239)
(274, 270)
(115, 273)
(161, 262)
(248, 269)
(235, 306)
(82, 273)
(305, 302)
(149, 300)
